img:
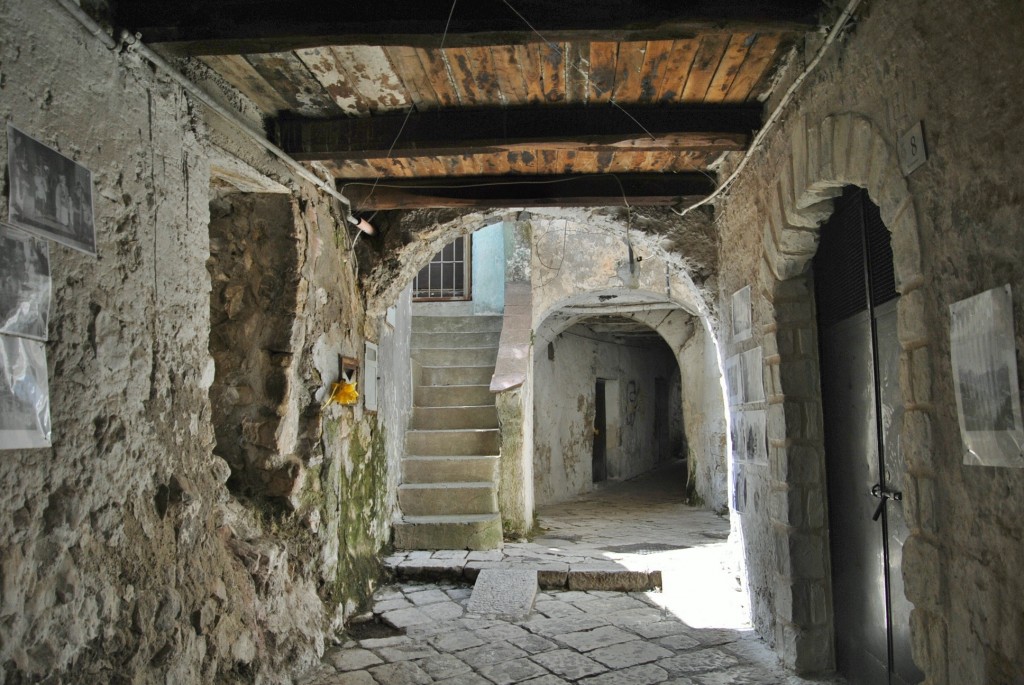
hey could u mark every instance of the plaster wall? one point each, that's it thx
(395, 389)
(564, 411)
(703, 415)
(586, 252)
(488, 264)
(956, 227)
(123, 553)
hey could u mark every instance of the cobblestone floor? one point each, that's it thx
(693, 632)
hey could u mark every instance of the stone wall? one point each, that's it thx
(956, 231)
(124, 557)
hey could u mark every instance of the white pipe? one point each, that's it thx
(759, 138)
(133, 42)
(87, 22)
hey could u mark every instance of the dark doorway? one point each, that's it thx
(661, 419)
(600, 461)
(863, 409)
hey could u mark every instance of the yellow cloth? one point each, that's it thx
(343, 393)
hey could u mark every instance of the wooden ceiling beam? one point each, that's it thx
(520, 130)
(219, 27)
(590, 190)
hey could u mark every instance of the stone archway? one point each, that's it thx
(843, 149)
(587, 338)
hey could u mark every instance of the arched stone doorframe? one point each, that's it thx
(842, 149)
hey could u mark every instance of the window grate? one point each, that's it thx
(446, 277)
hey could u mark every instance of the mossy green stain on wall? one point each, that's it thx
(354, 498)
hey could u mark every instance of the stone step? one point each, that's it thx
(445, 443)
(552, 574)
(447, 499)
(456, 356)
(456, 375)
(441, 324)
(427, 339)
(479, 532)
(463, 469)
(453, 395)
(440, 418)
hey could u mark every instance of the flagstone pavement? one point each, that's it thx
(693, 631)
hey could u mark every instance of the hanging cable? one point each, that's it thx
(554, 46)
(408, 113)
(777, 112)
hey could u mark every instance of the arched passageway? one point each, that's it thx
(620, 388)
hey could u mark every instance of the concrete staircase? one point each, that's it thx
(449, 491)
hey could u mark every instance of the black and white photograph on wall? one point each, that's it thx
(24, 394)
(739, 489)
(50, 195)
(985, 379)
(753, 375)
(744, 379)
(749, 436)
(734, 380)
(24, 284)
(742, 326)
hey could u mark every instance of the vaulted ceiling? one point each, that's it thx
(495, 103)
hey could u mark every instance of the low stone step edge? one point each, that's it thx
(550, 576)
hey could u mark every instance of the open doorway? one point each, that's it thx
(599, 462)
(602, 407)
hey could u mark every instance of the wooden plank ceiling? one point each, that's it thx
(558, 103)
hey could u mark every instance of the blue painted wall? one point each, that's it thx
(489, 269)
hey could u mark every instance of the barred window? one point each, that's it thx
(446, 277)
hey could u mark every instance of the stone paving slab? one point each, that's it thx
(554, 571)
(573, 636)
(615, 639)
(504, 592)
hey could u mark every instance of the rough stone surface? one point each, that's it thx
(504, 592)
(187, 524)
(956, 231)
(502, 651)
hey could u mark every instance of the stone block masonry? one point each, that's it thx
(952, 236)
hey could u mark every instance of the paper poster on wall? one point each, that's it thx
(749, 436)
(742, 326)
(753, 375)
(739, 489)
(985, 379)
(24, 284)
(743, 377)
(733, 384)
(50, 195)
(24, 394)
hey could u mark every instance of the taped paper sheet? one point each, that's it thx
(24, 394)
(985, 379)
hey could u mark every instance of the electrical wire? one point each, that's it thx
(408, 114)
(554, 46)
(783, 102)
